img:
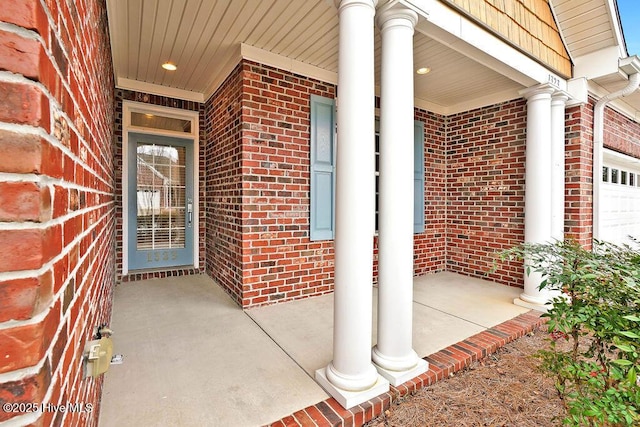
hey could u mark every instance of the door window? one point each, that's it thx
(161, 204)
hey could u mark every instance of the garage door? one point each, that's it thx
(620, 198)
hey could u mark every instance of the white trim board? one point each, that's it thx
(132, 106)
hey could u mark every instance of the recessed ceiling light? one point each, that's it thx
(423, 70)
(169, 66)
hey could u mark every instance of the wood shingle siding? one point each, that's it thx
(527, 24)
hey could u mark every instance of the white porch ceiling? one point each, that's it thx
(203, 37)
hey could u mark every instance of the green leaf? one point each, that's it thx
(632, 318)
(632, 377)
(622, 362)
(629, 334)
(624, 347)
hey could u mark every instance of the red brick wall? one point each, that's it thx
(258, 160)
(258, 187)
(163, 101)
(578, 174)
(621, 133)
(430, 247)
(57, 214)
(280, 262)
(485, 189)
(223, 198)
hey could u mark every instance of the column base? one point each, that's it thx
(532, 305)
(349, 399)
(396, 378)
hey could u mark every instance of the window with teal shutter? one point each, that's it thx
(323, 170)
(323, 160)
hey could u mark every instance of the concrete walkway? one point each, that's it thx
(192, 357)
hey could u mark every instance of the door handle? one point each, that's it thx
(189, 212)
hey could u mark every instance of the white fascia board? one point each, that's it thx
(261, 56)
(613, 158)
(578, 89)
(431, 107)
(452, 29)
(617, 28)
(287, 64)
(155, 89)
(597, 64)
(483, 101)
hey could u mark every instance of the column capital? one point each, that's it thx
(340, 4)
(394, 15)
(560, 97)
(544, 90)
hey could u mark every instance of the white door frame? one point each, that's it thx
(129, 107)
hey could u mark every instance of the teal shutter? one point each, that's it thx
(418, 177)
(322, 216)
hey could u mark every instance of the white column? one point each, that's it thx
(537, 199)
(558, 102)
(393, 355)
(351, 378)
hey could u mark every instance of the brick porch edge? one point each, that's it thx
(441, 364)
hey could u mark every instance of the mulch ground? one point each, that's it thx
(504, 389)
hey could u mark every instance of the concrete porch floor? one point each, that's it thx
(193, 357)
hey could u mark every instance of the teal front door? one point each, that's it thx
(160, 201)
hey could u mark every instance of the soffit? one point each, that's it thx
(203, 38)
(628, 105)
(587, 25)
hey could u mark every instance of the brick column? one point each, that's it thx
(351, 378)
(537, 200)
(393, 355)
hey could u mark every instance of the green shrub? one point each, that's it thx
(598, 313)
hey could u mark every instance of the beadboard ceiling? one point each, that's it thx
(587, 25)
(204, 38)
(201, 36)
